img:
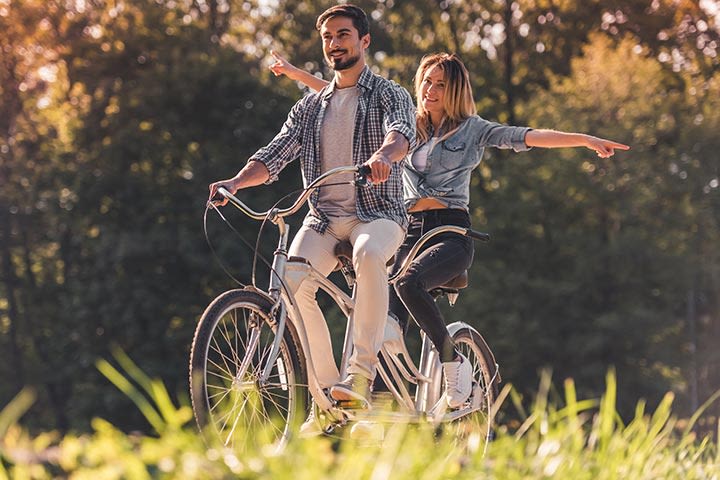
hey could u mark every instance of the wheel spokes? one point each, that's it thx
(238, 403)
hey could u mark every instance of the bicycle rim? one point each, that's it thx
(484, 373)
(230, 352)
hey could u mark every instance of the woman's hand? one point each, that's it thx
(281, 66)
(544, 138)
(604, 148)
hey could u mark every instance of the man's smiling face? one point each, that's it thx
(342, 46)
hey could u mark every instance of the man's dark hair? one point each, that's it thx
(354, 13)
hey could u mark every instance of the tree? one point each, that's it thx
(104, 248)
(592, 263)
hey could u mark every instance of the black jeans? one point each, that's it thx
(441, 259)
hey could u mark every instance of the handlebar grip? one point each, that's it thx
(220, 195)
(362, 175)
(482, 236)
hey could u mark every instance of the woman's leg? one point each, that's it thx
(435, 266)
(396, 307)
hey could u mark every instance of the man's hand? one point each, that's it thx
(218, 199)
(380, 167)
(254, 173)
(394, 148)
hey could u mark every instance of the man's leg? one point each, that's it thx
(395, 306)
(373, 245)
(319, 250)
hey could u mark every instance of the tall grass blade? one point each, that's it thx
(9, 416)
(16, 409)
(117, 379)
(608, 411)
(154, 388)
(693, 420)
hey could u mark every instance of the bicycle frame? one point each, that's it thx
(281, 295)
(285, 308)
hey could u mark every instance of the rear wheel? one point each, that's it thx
(231, 350)
(480, 417)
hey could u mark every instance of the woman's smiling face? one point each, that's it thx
(432, 92)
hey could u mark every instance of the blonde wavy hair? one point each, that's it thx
(458, 100)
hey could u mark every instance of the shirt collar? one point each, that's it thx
(365, 81)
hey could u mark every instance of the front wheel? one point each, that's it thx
(230, 352)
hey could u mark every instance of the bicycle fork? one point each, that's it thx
(277, 318)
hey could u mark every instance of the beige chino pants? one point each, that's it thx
(373, 245)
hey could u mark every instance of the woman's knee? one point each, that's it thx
(409, 286)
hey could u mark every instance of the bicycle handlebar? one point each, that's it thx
(274, 213)
(482, 236)
(362, 173)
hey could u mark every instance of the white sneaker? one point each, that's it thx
(458, 381)
(367, 431)
(311, 426)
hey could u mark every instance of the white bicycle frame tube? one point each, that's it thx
(347, 306)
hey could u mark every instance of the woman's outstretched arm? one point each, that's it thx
(554, 139)
(283, 67)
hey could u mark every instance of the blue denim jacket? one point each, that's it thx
(451, 162)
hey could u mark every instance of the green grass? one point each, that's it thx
(580, 439)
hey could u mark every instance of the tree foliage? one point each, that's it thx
(115, 116)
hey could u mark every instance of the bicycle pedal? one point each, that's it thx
(352, 404)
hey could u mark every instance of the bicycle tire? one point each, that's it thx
(486, 381)
(240, 411)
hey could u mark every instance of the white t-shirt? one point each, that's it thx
(419, 156)
(336, 143)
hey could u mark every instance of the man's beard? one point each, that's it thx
(337, 64)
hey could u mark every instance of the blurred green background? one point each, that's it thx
(116, 115)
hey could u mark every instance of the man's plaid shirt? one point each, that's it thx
(383, 106)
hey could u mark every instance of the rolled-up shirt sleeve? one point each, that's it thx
(285, 147)
(399, 112)
(491, 134)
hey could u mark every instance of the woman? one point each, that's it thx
(451, 139)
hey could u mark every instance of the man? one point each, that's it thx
(359, 118)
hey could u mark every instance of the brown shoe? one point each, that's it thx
(354, 387)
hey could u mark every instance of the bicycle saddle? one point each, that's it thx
(344, 250)
(451, 288)
(457, 283)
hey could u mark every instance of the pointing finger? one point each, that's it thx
(611, 144)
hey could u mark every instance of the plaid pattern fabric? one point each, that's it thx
(383, 107)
